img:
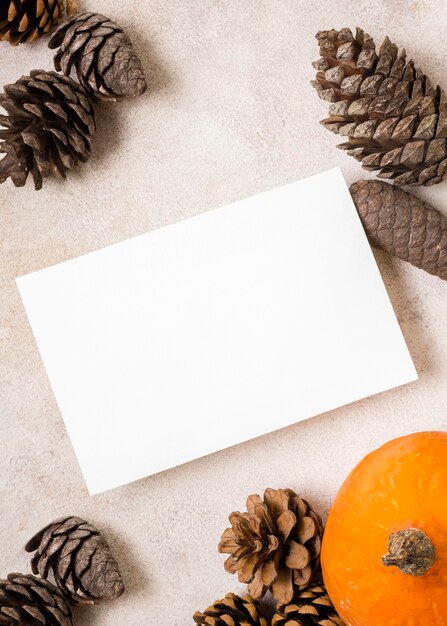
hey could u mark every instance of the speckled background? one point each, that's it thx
(229, 113)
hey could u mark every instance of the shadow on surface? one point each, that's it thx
(111, 116)
(408, 311)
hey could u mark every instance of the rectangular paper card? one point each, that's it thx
(214, 330)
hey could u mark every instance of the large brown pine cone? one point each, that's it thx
(48, 127)
(231, 611)
(274, 545)
(394, 119)
(79, 558)
(402, 225)
(23, 21)
(101, 54)
(311, 607)
(30, 601)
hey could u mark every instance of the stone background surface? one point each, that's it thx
(229, 113)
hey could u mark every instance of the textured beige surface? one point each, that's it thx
(230, 113)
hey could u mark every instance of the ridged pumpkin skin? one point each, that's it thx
(401, 485)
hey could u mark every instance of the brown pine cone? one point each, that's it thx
(274, 545)
(102, 55)
(394, 119)
(48, 127)
(23, 21)
(403, 225)
(30, 601)
(311, 607)
(231, 611)
(79, 558)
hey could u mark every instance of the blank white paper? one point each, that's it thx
(214, 330)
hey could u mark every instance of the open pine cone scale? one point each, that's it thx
(274, 544)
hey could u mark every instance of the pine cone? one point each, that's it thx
(23, 21)
(231, 611)
(394, 119)
(311, 607)
(403, 225)
(48, 128)
(102, 55)
(79, 558)
(30, 601)
(275, 544)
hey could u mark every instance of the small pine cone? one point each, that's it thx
(23, 21)
(48, 127)
(231, 611)
(79, 558)
(274, 545)
(402, 225)
(311, 607)
(102, 55)
(26, 600)
(394, 120)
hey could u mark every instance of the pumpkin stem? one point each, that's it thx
(411, 550)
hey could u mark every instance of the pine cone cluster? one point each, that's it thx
(79, 559)
(231, 611)
(102, 55)
(48, 127)
(311, 607)
(274, 545)
(402, 225)
(50, 118)
(394, 119)
(27, 600)
(24, 21)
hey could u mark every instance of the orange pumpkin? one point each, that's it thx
(384, 553)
